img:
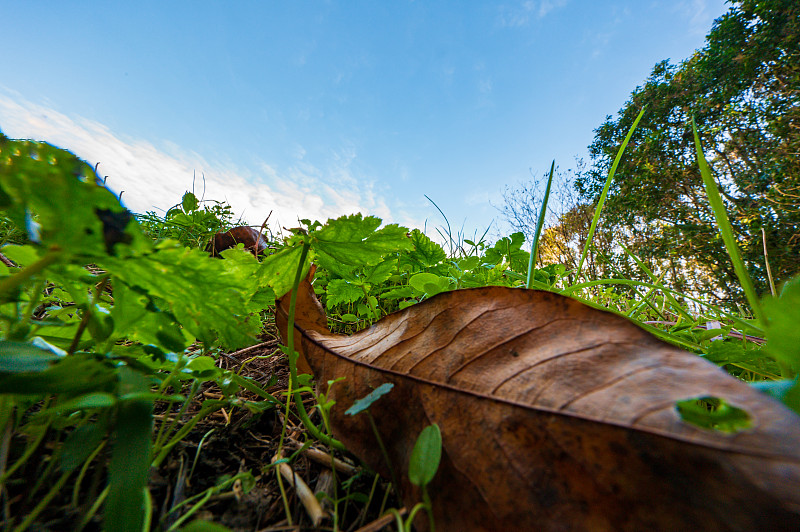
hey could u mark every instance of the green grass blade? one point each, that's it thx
(129, 469)
(725, 229)
(539, 224)
(603, 195)
(676, 307)
(745, 326)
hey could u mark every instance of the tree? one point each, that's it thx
(564, 236)
(743, 89)
(569, 219)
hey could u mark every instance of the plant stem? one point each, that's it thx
(31, 517)
(382, 447)
(298, 400)
(86, 316)
(429, 508)
(11, 282)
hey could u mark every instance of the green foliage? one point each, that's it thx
(741, 90)
(353, 241)
(89, 350)
(191, 222)
(356, 296)
(782, 330)
(713, 413)
(425, 252)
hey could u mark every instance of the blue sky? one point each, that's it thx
(317, 109)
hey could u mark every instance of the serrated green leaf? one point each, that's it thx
(87, 219)
(189, 202)
(340, 291)
(469, 263)
(380, 272)
(279, 269)
(425, 253)
(335, 268)
(721, 352)
(209, 297)
(403, 292)
(354, 241)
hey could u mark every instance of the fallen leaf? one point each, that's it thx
(553, 416)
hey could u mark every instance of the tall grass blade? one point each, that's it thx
(725, 229)
(603, 195)
(539, 224)
(676, 307)
(449, 231)
(129, 469)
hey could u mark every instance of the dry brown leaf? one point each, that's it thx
(554, 416)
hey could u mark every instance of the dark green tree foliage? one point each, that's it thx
(743, 89)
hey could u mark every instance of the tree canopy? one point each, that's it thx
(743, 90)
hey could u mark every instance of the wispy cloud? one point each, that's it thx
(519, 14)
(698, 14)
(155, 177)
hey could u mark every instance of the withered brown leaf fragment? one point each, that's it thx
(554, 416)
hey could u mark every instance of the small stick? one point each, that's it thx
(268, 343)
(8, 262)
(766, 261)
(380, 522)
(310, 502)
(323, 458)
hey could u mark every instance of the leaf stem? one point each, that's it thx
(293, 385)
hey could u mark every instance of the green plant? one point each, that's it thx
(191, 222)
(86, 352)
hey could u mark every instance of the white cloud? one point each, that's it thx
(698, 14)
(519, 14)
(546, 6)
(155, 178)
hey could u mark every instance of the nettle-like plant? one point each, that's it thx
(96, 323)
